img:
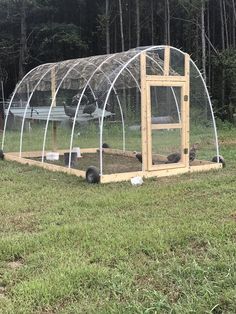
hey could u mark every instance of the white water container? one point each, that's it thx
(136, 181)
(77, 150)
(52, 156)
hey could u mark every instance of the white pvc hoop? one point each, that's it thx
(13, 95)
(124, 67)
(108, 95)
(83, 91)
(114, 81)
(53, 100)
(120, 107)
(27, 105)
(73, 127)
(212, 113)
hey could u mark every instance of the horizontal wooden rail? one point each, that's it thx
(169, 79)
(166, 126)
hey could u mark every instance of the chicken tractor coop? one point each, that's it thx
(145, 112)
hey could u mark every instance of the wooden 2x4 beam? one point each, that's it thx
(166, 126)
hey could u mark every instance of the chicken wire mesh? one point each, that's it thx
(97, 100)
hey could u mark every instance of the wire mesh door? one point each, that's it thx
(167, 143)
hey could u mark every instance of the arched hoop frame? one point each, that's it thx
(112, 87)
(13, 96)
(118, 75)
(52, 102)
(111, 78)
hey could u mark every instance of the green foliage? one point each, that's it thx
(56, 40)
(65, 29)
(224, 125)
(227, 59)
(225, 65)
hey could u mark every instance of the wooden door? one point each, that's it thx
(165, 117)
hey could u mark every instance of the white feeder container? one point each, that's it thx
(136, 181)
(77, 150)
(52, 156)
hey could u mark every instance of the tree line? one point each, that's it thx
(33, 32)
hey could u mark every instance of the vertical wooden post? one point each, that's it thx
(2, 108)
(167, 61)
(149, 128)
(185, 111)
(144, 110)
(54, 124)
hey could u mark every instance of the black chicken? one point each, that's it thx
(173, 158)
(69, 111)
(140, 157)
(1, 154)
(105, 145)
(193, 153)
(76, 98)
(89, 109)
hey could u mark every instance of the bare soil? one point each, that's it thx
(112, 163)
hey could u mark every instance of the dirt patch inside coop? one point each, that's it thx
(111, 163)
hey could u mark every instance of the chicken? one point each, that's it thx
(140, 157)
(1, 154)
(89, 109)
(69, 111)
(173, 158)
(192, 153)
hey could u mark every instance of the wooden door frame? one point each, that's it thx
(146, 128)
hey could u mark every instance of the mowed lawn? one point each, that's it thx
(166, 247)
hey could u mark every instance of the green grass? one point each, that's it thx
(165, 247)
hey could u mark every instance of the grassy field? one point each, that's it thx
(166, 247)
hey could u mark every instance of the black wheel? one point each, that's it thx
(92, 175)
(1, 154)
(105, 145)
(221, 160)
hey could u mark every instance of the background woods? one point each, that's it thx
(39, 31)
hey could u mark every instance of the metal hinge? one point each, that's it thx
(186, 151)
(185, 97)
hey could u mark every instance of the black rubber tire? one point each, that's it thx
(92, 175)
(221, 160)
(1, 154)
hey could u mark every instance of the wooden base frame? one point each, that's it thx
(44, 165)
(169, 170)
(119, 177)
(25, 159)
